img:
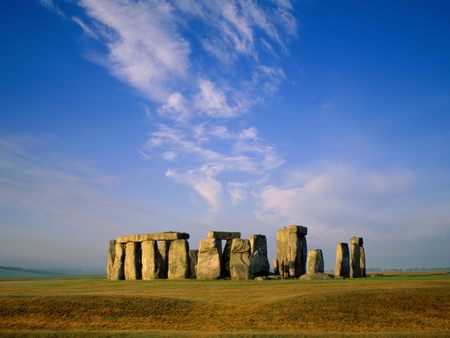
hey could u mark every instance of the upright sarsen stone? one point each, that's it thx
(240, 260)
(118, 270)
(163, 258)
(149, 260)
(111, 256)
(315, 261)
(132, 261)
(292, 250)
(178, 259)
(226, 254)
(355, 261)
(258, 251)
(209, 259)
(362, 261)
(342, 268)
(193, 258)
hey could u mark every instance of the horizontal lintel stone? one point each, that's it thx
(159, 236)
(223, 235)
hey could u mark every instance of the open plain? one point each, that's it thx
(407, 304)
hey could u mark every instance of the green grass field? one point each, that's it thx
(415, 304)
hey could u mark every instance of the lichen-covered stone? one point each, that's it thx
(149, 251)
(111, 256)
(223, 235)
(355, 270)
(291, 250)
(118, 270)
(132, 261)
(209, 259)
(159, 236)
(162, 259)
(315, 261)
(342, 267)
(193, 258)
(260, 262)
(362, 262)
(240, 260)
(178, 267)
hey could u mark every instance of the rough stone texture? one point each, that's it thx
(292, 250)
(149, 260)
(315, 261)
(298, 229)
(355, 270)
(209, 259)
(162, 260)
(178, 259)
(362, 261)
(342, 267)
(316, 276)
(276, 267)
(159, 236)
(193, 258)
(132, 261)
(118, 271)
(225, 263)
(240, 260)
(223, 235)
(258, 252)
(111, 256)
(357, 240)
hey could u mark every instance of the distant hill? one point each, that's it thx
(15, 272)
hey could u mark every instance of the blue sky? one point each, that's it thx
(121, 117)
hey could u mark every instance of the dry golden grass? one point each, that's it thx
(411, 304)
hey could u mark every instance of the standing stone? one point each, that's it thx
(240, 261)
(226, 259)
(178, 259)
(355, 269)
(118, 270)
(149, 260)
(315, 261)
(209, 259)
(162, 260)
(276, 267)
(193, 258)
(111, 256)
(292, 250)
(260, 263)
(342, 268)
(362, 261)
(132, 261)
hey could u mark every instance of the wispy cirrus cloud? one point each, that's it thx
(202, 64)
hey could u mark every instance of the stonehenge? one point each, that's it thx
(291, 251)
(167, 255)
(315, 261)
(342, 268)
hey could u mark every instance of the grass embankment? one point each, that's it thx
(407, 304)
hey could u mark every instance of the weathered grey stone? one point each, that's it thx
(225, 263)
(132, 261)
(355, 270)
(315, 261)
(159, 236)
(292, 250)
(193, 258)
(276, 267)
(118, 271)
(149, 260)
(260, 262)
(342, 267)
(111, 256)
(162, 259)
(316, 276)
(178, 259)
(223, 235)
(357, 240)
(298, 229)
(240, 260)
(362, 261)
(209, 259)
